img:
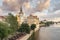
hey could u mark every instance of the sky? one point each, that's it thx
(0, 2)
(44, 9)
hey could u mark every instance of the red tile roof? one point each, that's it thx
(2, 17)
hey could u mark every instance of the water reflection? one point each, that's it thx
(50, 33)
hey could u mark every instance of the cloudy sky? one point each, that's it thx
(44, 9)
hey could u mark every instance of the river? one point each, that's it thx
(50, 33)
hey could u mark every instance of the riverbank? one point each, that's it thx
(29, 35)
(35, 34)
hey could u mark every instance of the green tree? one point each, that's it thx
(24, 28)
(48, 23)
(41, 22)
(3, 30)
(12, 20)
(33, 26)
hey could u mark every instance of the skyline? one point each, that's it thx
(50, 10)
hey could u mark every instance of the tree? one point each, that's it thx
(24, 28)
(48, 23)
(12, 20)
(3, 30)
(41, 22)
(33, 26)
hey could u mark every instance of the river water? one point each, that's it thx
(50, 33)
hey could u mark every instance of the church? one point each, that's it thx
(21, 18)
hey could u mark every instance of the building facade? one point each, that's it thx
(29, 19)
(20, 16)
(32, 20)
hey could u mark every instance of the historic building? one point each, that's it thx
(20, 16)
(32, 20)
(2, 18)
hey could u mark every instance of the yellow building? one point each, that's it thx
(19, 16)
(32, 20)
(18, 19)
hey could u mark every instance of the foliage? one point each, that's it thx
(12, 20)
(3, 30)
(33, 26)
(41, 22)
(24, 28)
(46, 23)
(49, 23)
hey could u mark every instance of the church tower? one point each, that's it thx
(20, 16)
(21, 12)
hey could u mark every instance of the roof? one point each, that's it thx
(2, 17)
(31, 16)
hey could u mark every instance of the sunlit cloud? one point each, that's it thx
(41, 8)
(27, 5)
(37, 7)
(44, 4)
(13, 5)
(10, 5)
(6, 0)
(47, 4)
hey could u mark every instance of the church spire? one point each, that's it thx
(21, 11)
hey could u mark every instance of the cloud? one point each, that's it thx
(54, 5)
(40, 15)
(55, 16)
(14, 5)
(37, 7)
(27, 5)
(43, 5)
(10, 5)
(1, 11)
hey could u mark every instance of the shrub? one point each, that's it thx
(3, 30)
(12, 20)
(33, 26)
(24, 28)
